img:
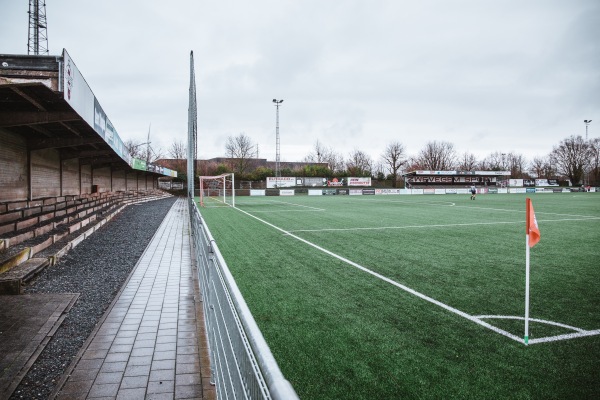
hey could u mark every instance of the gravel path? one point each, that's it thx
(96, 268)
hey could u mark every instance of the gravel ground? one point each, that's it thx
(96, 268)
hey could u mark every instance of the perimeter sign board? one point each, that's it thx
(279, 182)
(80, 97)
(365, 181)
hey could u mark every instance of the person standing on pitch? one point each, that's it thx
(473, 192)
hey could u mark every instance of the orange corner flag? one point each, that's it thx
(531, 228)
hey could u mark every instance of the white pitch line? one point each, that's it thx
(392, 282)
(565, 337)
(285, 210)
(541, 321)
(405, 227)
(309, 208)
(296, 205)
(438, 225)
(476, 319)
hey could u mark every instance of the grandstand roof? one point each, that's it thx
(33, 106)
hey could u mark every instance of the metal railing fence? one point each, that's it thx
(242, 365)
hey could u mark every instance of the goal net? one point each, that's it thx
(217, 190)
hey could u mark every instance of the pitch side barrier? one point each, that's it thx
(413, 191)
(242, 365)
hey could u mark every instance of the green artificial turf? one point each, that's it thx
(338, 332)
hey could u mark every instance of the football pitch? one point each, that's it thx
(384, 297)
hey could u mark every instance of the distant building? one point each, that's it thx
(180, 164)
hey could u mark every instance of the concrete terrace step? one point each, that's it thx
(11, 281)
(15, 265)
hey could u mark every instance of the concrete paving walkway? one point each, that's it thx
(27, 323)
(151, 342)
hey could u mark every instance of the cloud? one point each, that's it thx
(486, 76)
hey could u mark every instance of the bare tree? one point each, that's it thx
(178, 150)
(134, 148)
(394, 157)
(143, 151)
(240, 150)
(570, 158)
(542, 167)
(437, 156)
(594, 162)
(379, 171)
(359, 164)
(467, 162)
(496, 161)
(323, 154)
(516, 164)
(150, 155)
(335, 161)
(318, 155)
(538, 166)
(413, 164)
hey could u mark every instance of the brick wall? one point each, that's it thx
(14, 184)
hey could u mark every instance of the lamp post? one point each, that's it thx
(277, 154)
(587, 123)
(504, 168)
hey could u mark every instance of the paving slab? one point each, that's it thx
(151, 341)
(27, 323)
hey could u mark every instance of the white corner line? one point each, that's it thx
(392, 282)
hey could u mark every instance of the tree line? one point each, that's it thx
(573, 158)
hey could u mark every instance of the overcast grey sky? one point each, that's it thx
(486, 75)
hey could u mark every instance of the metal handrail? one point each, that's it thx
(242, 364)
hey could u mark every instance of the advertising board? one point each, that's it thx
(515, 182)
(312, 182)
(366, 181)
(80, 97)
(546, 182)
(387, 191)
(279, 182)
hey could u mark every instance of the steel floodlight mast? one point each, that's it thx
(277, 144)
(587, 123)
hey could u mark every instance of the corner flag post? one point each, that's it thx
(532, 236)
(527, 287)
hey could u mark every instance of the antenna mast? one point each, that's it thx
(38, 33)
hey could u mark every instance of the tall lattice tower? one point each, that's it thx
(192, 130)
(38, 28)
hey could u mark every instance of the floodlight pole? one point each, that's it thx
(587, 124)
(277, 144)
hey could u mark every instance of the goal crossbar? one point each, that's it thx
(222, 182)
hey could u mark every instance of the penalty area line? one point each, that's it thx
(392, 282)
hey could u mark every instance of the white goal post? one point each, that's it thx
(219, 188)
